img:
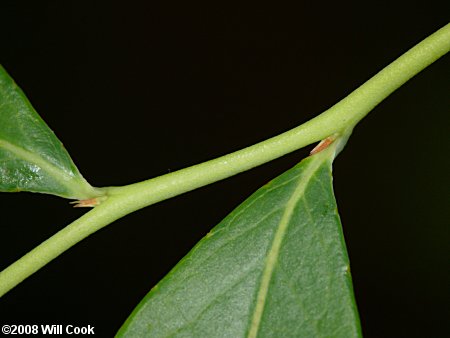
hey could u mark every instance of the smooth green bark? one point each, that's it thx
(342, 116)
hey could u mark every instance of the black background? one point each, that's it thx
(138, 89)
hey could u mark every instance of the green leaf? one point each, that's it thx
(31, 156)
(275, 267)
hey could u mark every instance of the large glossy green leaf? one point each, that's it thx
(31, 157)
(275, 267)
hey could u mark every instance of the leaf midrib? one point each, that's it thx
(57, 174)
(272, 257)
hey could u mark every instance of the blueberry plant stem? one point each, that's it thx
(339, 120)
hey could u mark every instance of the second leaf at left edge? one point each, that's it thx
(31, 156)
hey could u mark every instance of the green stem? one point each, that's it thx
(341, 117)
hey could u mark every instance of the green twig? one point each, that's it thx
(124, 200)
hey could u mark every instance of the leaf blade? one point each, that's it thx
(248, 277)
(31, 156)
